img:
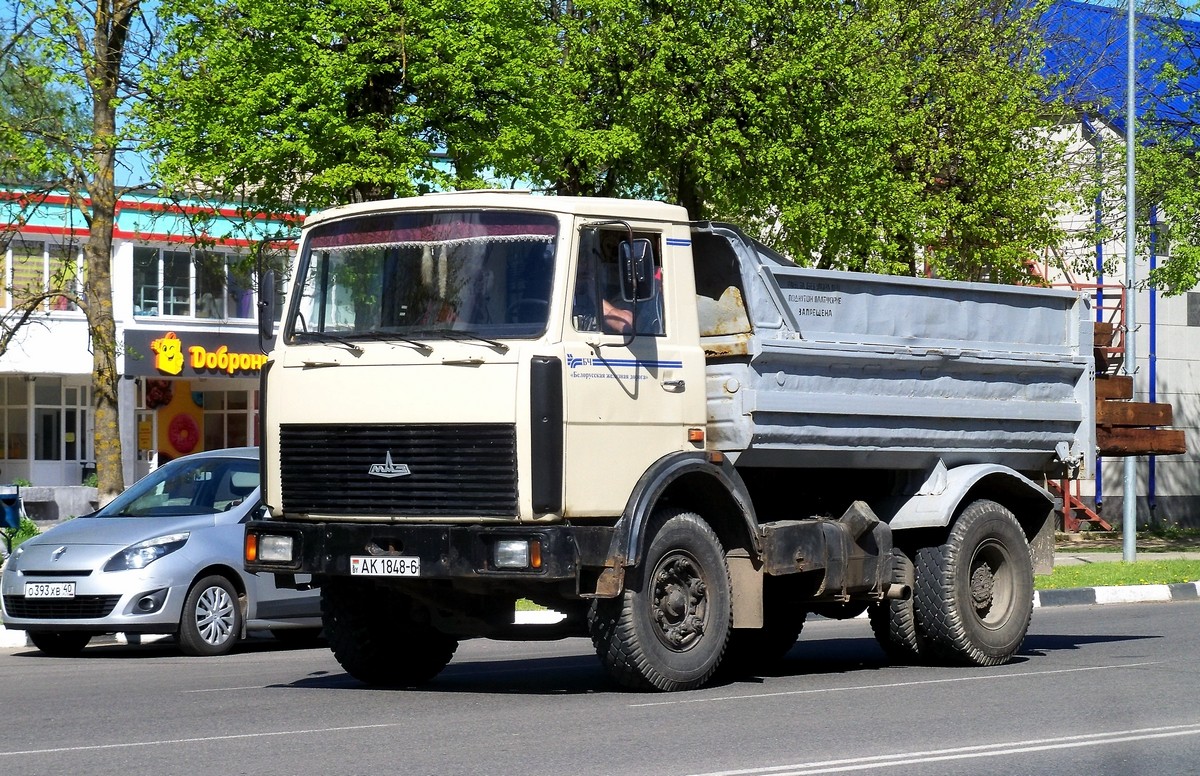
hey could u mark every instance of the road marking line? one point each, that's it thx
(201, 740)
(891, 685)
(965, 752)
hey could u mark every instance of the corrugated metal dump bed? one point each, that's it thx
(857, 370)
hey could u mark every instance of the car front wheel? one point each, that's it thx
(212, 618)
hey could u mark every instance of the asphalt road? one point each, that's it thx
(1096, 690)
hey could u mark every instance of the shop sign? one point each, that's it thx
(191, 354)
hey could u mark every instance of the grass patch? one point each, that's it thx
(1148, 572)
(525, 605)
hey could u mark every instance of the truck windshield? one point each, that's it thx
(488, 273)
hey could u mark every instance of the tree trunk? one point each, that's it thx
(104, 73)
(102, 330)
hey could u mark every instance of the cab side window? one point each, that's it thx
(600, 302)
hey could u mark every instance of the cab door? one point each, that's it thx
(634, 371)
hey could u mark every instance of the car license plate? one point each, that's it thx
(49, 589)
(385, 566)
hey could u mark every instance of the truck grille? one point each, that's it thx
(401, 471)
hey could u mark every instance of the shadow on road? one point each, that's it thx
(166, 648)
(1037, 645)
(565, 675)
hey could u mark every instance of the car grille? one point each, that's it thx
(83, 607)
(437, 469)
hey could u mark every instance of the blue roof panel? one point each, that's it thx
(1087, 50)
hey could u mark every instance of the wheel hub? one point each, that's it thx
(680, 602)
(983, 582)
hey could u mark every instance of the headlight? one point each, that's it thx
(142, 554)
(12, 558)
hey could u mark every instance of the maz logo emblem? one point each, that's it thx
(389, 469)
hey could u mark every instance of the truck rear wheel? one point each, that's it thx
(373, 635)
(668, 630)
(894, 622)
(974, 594)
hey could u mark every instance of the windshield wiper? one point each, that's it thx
(324, 336)
(382, 335)
(463, 335)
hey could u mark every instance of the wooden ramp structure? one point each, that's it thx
(1124, 427)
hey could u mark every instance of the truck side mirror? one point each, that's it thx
(266, 305)
(637, 271)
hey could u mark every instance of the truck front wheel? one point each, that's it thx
(374, 636)
(668, 630)
(974, 593)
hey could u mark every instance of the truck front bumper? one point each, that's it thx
(554, 552)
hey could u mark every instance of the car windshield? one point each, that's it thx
(187, 486)
(426, 275)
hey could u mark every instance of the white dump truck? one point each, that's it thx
(660, 428)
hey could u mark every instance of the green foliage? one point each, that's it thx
(21, 482)
(33, 113)
(12, 538)
(867, 136)
(1167, 167)
(282, 101)
(27, 530)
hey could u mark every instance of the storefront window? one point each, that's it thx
(228, 419)
(15, 417)
(47, 418)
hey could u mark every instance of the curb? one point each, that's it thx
(1124, 594)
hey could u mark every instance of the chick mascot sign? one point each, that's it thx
(168, 354)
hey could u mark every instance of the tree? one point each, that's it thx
(1090, 44)
(282, 103)
(857, 136)
(1168, 156)
(32, 116)
(90, 51)
(887, 135)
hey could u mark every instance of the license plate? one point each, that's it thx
(385, 566)
(49, 589)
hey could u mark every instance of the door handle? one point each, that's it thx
(675, 386)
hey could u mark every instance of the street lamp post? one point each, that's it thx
(1129, 494)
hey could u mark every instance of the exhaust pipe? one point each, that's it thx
(895, 592)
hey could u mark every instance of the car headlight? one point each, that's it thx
(142, 554)
(11, 559)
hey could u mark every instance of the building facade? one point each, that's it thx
(189, 351)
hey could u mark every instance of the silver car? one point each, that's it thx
(164, 557)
